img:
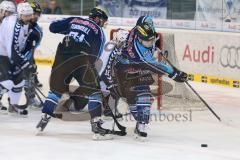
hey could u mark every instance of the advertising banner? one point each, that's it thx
(218, 15)
(210, 54)
(135, 8)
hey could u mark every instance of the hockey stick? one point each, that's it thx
(38, 96)
(40, 91)
(203, 101)
(122, 129)
(206, 104)
(115, 106)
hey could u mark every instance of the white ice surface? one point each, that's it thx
(167, 140)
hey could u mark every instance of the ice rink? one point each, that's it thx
(167, 140)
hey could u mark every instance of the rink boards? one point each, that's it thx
(209, 57)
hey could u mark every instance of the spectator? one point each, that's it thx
(46, 9)
(51, 8)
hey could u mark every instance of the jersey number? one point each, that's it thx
(76, 36)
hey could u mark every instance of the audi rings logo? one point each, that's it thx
(230, 57)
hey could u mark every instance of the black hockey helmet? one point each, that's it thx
(97, 12)
(145, 28)
(36, 7)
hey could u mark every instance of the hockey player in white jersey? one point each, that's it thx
(14, 32)
(7, 8)
(116, 43)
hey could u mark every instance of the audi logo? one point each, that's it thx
(230, 57)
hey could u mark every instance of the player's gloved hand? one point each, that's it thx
(178, 75)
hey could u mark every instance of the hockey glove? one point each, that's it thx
(178, 75)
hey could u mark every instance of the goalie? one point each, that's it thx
(135, 59)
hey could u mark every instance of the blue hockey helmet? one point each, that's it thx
(145, 28)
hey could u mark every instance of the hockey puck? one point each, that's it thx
(204, 145)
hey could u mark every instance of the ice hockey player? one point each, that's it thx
(138, 49)
(7, 8)
(14, 32)
(119, 37)
(76, 103)
(83, 38)
(32, 43)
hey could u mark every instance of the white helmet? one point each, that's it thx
(24, 9)
(120, 36)
(8, 6)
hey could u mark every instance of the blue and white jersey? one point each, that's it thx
(133, 52)
(33, 40)
(13, 37)
(137, 53)
(83, 31)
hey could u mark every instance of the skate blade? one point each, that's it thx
(98, 137)
(139, 138)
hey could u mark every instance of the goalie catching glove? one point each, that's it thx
(178, 75)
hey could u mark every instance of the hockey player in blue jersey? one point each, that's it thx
(138, 50)
(83, 38)
(33, 42)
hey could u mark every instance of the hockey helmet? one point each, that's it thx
(145, 28)
(8, 6)
(97, 12)
(36, 7)
(24, 9)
